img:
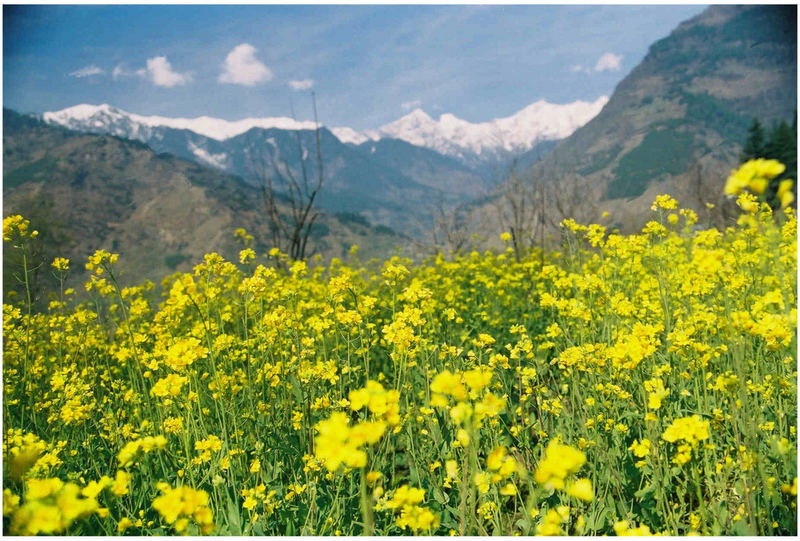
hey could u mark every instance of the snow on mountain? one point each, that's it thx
(349, 135)
(119, 122)
(215, 160)
(450, 135)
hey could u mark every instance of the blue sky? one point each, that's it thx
(367, 64)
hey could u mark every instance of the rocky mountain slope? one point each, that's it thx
(162, 213)
(677, 121)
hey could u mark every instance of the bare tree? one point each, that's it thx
(519, 211)
(707, 196)
(568, 196)
(531, 207)
(289, 229)
(451, 226)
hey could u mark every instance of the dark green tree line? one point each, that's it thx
(779, 144)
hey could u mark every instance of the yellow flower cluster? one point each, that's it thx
(559, 462)
(381, 403)
(338, 443)
(690, 430)
(49, 507)
(623, 529)
(551, 522)
(178, 506)
(22, 451)
(60, 264)
(412, 515)
(259, 495)
(641, 449)
(754, 175)
(473, 406)
(418, 518)
(99, 260)
(149, 443)
(207, 446)
(500, 467)
(656, 393)
(170, 385)
(15, 227)
(184, 352)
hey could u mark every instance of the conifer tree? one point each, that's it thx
(754, 146)
(782, 146)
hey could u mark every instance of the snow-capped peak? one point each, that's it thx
(82, 112)
(539, 121)
(349, 135)
(418, 115)
(96, 116)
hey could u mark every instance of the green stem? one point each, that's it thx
(367, 518)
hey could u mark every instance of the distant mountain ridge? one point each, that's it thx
(394, 181)
(114, 121)
(474, 144)
(498, 138)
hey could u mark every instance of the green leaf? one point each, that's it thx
(234, 518)
(740, 527)
(645, 492)
(597, 520)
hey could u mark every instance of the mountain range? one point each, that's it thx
(355, 178)
(498, 139)
(473, 143)
(396, 176)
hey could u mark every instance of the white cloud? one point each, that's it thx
(408, 105)
(87, 71)
(160, 72)
(608, 61)
(303, 84)
(242, 68)
(576, 67)
(120, 72)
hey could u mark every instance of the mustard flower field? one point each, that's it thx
(621, 385)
